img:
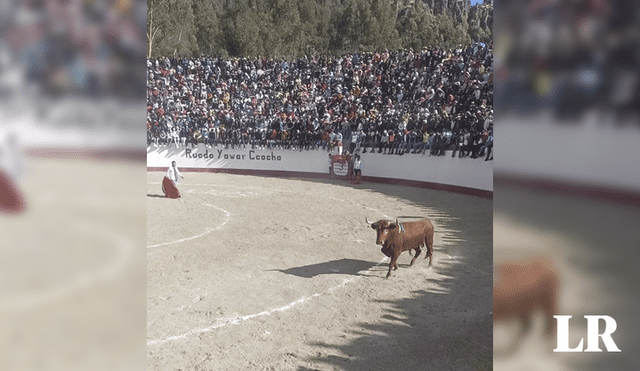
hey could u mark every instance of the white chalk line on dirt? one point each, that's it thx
(208, 231)
(198, 235)
(125, 250)
(214, 185)
(365, 207)
(239, 319)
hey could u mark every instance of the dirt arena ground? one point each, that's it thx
(72, 268)
(255, 273)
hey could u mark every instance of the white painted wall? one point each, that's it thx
(465, 172)
(587, 153)
(277, 160)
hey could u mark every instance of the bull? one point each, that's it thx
(523, 287)
(398, 237)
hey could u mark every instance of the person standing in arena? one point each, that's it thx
(11, 199)
(11, 156)
(173, 173)
(357, 170)
(170, 180)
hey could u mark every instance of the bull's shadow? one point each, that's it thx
(343, 266)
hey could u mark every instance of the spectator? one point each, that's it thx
(458, 141)
(489, 146)
(354, 142)
(316, 103)
(384, 144)
(357, 169)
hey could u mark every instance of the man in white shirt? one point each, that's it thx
(339, 142)
(169, 182)
(11, 156)
(357, 165)
(173, 173)
(355, 137)
(11, 200)
(357, 170)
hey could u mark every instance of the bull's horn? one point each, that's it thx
(397, 222)
(367, 220)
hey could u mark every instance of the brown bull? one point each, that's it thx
(398, 237)
(523, 287)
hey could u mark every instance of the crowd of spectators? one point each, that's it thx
(395, 102)
(77, 47)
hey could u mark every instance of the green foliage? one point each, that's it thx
(293, 28)
(418, 27)
(171, 28)
(208, 33)
(383, 33)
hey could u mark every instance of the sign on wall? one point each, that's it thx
(447, 170)
(340, 165)
(221, 154)
(238, 158)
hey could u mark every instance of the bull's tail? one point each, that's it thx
(428, 241)
(426, 247)
(550, 302)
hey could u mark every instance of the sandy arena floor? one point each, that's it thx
(72, 268)
(253, 273)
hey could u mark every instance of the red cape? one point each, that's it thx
(11, 199)
(169, 188)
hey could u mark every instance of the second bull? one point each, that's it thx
(398, 237)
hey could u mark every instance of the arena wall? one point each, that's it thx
(466, 175)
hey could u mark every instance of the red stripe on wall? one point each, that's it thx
(133, 155)
(412, 183)
(570, 188)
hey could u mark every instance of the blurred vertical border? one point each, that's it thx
(72, 262)
(567, 174)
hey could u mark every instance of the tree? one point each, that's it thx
(385, 35)
(348, 28)
(170, 28)
(445, 30)
(157, 19)
(314, 19)
(208, 31)
(242, 37)
(418, 26)
(293, 28)
(289, 28)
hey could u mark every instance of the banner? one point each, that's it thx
(341, 165)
